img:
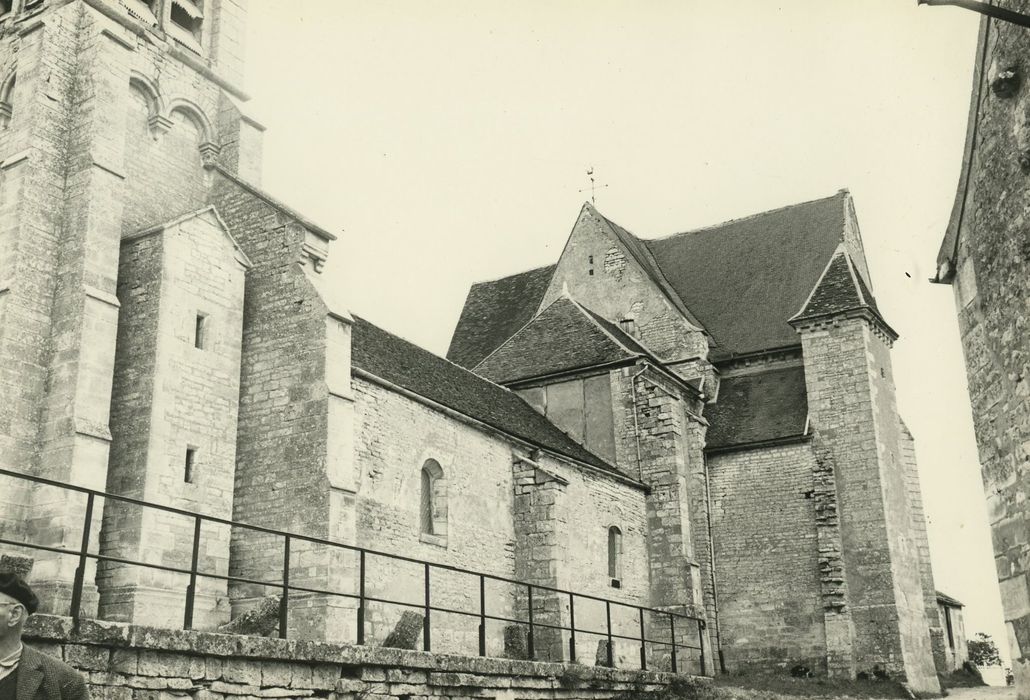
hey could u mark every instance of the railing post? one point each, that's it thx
(701, 645)
(672, 633)
(532, 650)
(80, 571)
(482, 615)
(572, 627)
(426, 643)
(643, 645)
(361, 597)
(191, 590)
(284, 602)
(608, 622)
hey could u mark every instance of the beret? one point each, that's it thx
(15, 586)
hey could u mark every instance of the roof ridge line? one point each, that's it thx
(738, 219)
(840, 249)
(854, 280)
(513, 274)
(440, 357)
(522, 328)
(590, 316)
(663, 284)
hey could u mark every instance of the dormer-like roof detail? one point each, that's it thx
(564, 337)
(740, 281)
(839, 291)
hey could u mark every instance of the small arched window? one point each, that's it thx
(615, 556)
(433, 504)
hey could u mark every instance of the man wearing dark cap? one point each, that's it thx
(27, 674)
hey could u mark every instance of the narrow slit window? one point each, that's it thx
(200, 332)
(190, 472)
(433, 504)
(615, 556)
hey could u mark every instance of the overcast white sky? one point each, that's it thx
(447, 142)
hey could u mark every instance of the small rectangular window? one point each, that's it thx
(190, 473)
(200, 332)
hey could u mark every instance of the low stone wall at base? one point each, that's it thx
(131, 662)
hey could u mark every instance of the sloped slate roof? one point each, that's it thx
(421, 372)
(564, 336)
(494, 311)
(758, 407)
(740, 280)
(743, 279)
(946, 599)
(840, 288)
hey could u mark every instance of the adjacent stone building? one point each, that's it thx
(703, 424)
(742, 372)
(985, 257)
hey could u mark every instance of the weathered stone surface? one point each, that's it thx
(260, 621)
(516, 645)
(406, 632)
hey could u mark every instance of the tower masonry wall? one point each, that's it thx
(767, 558)
(991, 267)
(184, 453)
(851, 403)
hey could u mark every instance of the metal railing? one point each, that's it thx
(677, 623)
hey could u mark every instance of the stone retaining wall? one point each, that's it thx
(130, 662)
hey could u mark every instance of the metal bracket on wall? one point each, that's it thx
(984, 8)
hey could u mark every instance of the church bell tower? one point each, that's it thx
(109, 112)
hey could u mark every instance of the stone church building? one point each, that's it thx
(704, 423)
(985, 257)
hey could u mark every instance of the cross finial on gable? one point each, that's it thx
(593, 185)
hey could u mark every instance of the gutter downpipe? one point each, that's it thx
(711, 554)
(636, 422)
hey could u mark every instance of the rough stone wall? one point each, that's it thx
(840, 627)
(991, 296)
(62, 209)
(395, 436)
(193, 406)
(122, 662)
(553, 533)
(661, 439)
(132, 400)
(767, 558)
(284, 472)
(907, 457)
(165, 173)
(851, 400)
(616, 287)
(66, 158)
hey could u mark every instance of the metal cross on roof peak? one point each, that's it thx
(593, 186)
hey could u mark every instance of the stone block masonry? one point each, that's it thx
(768, 558)
(174, 417)
(986, 259)
(507, 514)
(122, 662)
(852, 408)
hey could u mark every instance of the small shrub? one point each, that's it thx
(983, 651)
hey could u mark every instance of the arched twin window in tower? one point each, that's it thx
(433, 504)
(182, 19)
(615, 556)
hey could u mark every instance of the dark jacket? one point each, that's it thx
(42, 677)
